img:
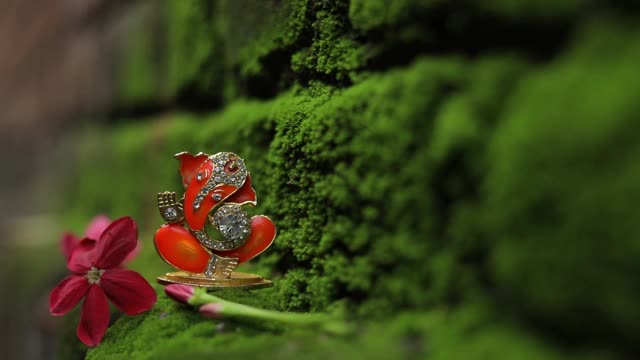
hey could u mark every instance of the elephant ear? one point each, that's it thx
(189, 165)
(244, 195)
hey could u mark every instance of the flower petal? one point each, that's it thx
(95, 317)
(67, 243)
(67, 294)
(82, 256)
(97, 226)
(116, 242)
(132, 255)
(128, 290)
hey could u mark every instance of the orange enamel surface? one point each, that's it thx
(263, 231)
(197, 218)
(180, 249)
(189, 165)
(244, 194)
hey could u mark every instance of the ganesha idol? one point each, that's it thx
(208, 233)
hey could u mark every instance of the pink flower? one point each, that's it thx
(180, 292)
(95, 228)
(97, 276)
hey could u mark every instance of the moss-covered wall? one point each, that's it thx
(460, 177)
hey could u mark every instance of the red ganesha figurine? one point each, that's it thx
(216, 189)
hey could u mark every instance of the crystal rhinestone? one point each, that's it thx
(216, 197)
(199, 176)
(232, 226)
(170, 213)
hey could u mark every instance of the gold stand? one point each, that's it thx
(237, 280)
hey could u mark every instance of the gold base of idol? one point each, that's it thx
(237, 280)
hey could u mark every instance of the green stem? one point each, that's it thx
(229, 308)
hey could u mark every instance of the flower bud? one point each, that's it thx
(212, 310)
(179, 292)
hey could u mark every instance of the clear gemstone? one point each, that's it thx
(170, 213)
(233, 226)
(216, 197)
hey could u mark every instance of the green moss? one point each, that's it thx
(332, 52)
(564, 242)
(542, 10)
(367, 14)
(264, 28)
(456, 203)
(170, 321)
(171, 44)
(348, 228)
(473, 332)
(295, 126)
(370, 15)
(193, 46)
(140, 82)
(210, 53)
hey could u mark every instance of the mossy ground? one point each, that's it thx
(463, 199)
